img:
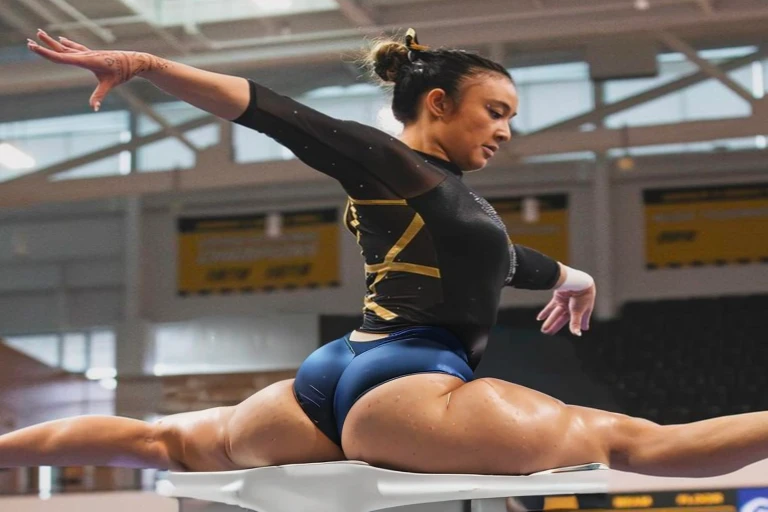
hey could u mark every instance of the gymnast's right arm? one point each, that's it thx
(354, 154)
(350, 152)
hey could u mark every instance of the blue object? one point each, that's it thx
(336, 375)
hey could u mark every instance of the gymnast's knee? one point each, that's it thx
(165, 441)
(634, 442)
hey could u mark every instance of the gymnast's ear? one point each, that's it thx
(437, 103)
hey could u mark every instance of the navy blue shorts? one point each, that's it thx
(336, 375)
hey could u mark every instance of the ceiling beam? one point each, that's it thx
(236, 176)
(124, 92)
(100, 154)
(300, 49)
(708, 6)
(603, 139)
(356, 13)
(16, 20)
(598, 114)
(102, 33)
(105, 35)
(677, 44)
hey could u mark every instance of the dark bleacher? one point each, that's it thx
(667, 361)
(683, 360)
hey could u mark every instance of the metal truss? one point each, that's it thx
(562, 137)
(124, 92)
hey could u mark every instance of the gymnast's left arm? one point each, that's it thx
(222, 95)
(574, 291)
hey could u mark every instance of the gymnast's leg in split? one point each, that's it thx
(266, 429)
(432, 423)
(436, 423)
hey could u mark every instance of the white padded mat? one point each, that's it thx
(351, 486)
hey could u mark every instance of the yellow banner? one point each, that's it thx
(220, 255)
(538, 222)
(723, 225)
(663, 501)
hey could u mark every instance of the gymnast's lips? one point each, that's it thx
(490, 150)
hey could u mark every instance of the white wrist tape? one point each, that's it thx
(576, 280)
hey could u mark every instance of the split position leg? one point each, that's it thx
(435, 423)
(89, 440)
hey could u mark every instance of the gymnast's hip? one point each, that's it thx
(336, 375)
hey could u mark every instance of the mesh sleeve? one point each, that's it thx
(351, 152)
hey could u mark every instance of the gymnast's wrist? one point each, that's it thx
(573, 280)
(146, 65)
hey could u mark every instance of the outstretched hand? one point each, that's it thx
(568, 307)
(111, 67)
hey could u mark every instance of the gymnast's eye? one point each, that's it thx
(494, 114)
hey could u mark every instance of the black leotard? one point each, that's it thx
(436, 253)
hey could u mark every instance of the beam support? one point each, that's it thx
(134, 101)
(603, 139)
(40, 174)
(102, 33)
(602, 228)
(356, 13)
(677, 44)
(228, 174)
(14, 19)
(708, 6)
(596, 115)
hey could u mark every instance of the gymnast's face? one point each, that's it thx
(471, 130)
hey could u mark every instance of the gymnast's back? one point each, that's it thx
(436, 254)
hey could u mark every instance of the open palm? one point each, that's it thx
(111, 68)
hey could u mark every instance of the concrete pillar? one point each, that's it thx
(605, 304)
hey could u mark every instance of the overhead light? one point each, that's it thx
(531, 210)
(14, 158)
(273, 5)
(642, 5)
(274, 225)
(110, 384)
(96, 373)
(626, 163)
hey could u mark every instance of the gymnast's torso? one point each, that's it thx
(436, 253)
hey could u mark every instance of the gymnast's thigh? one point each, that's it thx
(436, 423)
(270, 428)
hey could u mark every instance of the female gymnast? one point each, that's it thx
(398, 392)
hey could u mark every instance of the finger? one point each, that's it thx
(99, 94)
(61, 58)
(556, 314)
(555, 327)
(73, 45)
(50, 42)
(585, 320)
(575, 323)
(547, 310)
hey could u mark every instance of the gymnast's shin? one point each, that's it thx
(337, 374)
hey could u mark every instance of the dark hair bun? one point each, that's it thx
(387, 58)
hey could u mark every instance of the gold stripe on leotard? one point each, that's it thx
(380, 202)
(347, 220)
(389, 263)
(380, 311)
(355, 222)
(404, 267)
(410, 233)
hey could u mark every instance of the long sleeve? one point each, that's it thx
(531, 270)
(351, 152)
